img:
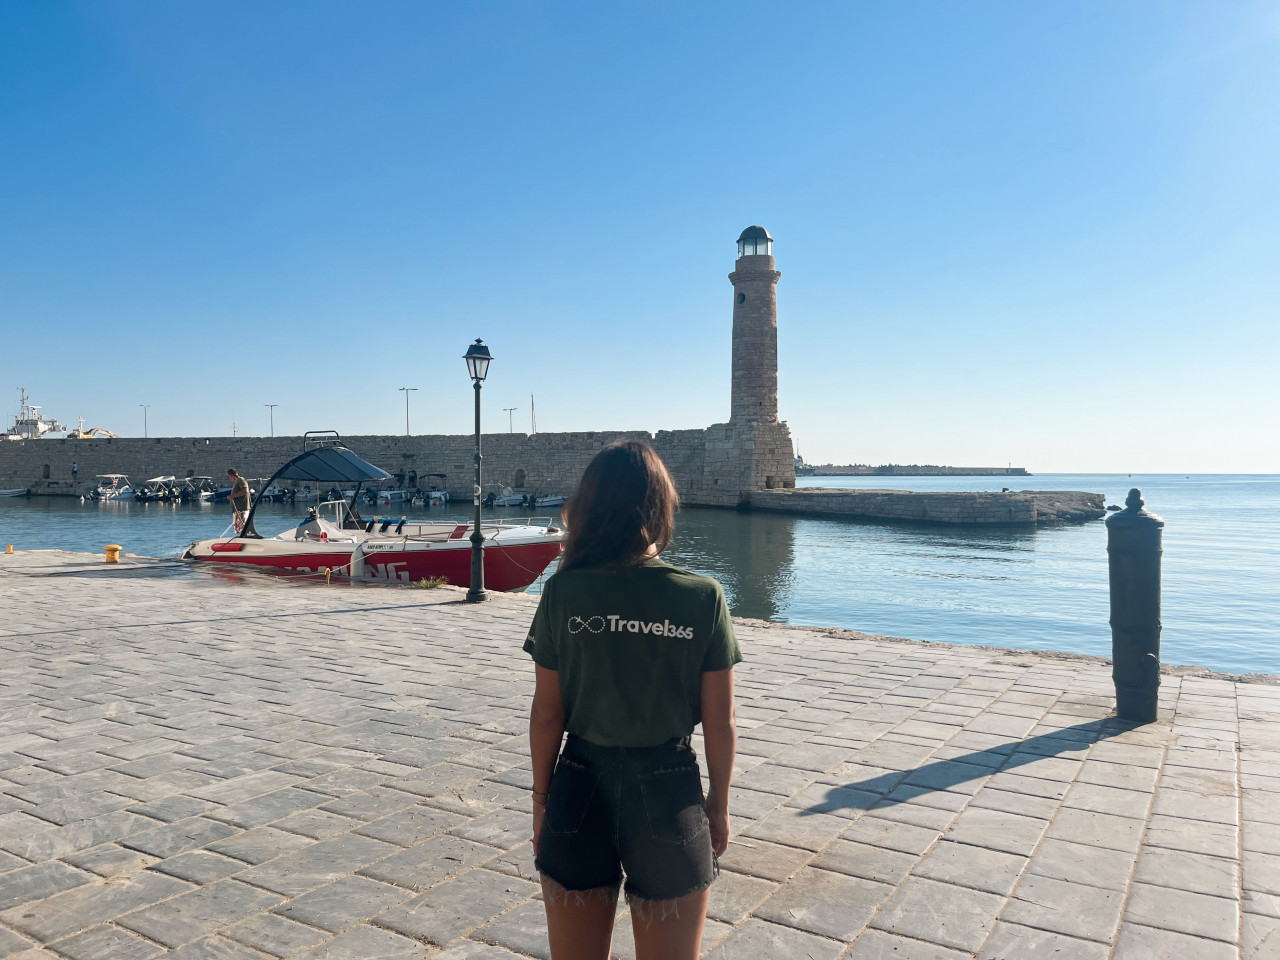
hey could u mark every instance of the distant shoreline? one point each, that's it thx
(906, 470)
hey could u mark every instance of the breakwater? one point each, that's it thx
(972, 508)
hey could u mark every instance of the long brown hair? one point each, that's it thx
(624, 502)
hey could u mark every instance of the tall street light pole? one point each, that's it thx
(477, 357)
(271, 408)
(407, 391)
(510, 410)
(144, 407)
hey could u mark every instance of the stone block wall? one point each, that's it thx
(545, 463)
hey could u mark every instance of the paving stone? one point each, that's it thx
(317, 824)
(260, 845)
(879, 832)
(109, 860)
(170, 809)
(215, 948)
(798, 828)
(1136, 942)
(1097, 829)
(735, 895)
(1105, 799)
(760, 858)
(343, 903)
(428, 863)
(1261, 872)
(449, 910)
(1192, 806)
(1009, 941)
(758, 938)
(878, 945)
(1214, 918)
(199, 866)
(504, 828)
(996, 830)
(829, 904)
(1193, 836)
(39, 881)
(198, 913)
(1078, 863)
(863, 860)
(178, 837)
(11, 943)
(1072, 909)
(1195, 872)
(969, 866)
(772, 778)
(940, 913)
(1259, 937)
(517, 862)
(50, 842)
(106, 943)
(370, 804)
(275, 935)
(522, 930)
(75, 910)
(317, 864)
(267, 808)
(470, 950)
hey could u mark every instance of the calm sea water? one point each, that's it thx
(1041, 589)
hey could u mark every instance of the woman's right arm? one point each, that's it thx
(720, 742)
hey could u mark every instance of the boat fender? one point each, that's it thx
(400, 525)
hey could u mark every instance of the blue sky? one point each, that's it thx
(1046, 234)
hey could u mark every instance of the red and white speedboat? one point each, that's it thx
(335, 539)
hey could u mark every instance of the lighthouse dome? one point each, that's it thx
(755, 241)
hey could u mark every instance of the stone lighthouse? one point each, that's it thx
(753, 450)
(755, 329)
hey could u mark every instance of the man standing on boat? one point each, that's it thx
(239, 499)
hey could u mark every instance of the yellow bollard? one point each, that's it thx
(9, 549)
(113, 552)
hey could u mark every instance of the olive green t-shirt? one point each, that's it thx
(630, 645)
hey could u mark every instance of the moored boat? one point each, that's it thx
(111, 486)
(334, 539)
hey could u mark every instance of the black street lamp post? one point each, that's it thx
(477, 358)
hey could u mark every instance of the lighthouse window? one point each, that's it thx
(742, 298)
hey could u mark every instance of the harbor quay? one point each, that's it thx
(234, 765)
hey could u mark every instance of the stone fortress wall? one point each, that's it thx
(545, 463)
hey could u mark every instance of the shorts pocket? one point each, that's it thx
(573, 784)
(673, 804)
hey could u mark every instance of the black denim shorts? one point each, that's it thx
(633, 810)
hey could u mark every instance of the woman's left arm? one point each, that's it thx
(546, 730)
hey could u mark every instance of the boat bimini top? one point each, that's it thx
(324, 459)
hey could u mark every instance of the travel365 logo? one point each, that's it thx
(616, 624)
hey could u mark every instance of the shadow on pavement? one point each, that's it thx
(944, 774)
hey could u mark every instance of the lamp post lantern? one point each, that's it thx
(407, 391)
(271, 409)
(477, 357)
(144, 407)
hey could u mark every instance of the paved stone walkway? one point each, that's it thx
(230, 768)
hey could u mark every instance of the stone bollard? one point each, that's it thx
(1133, 548)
